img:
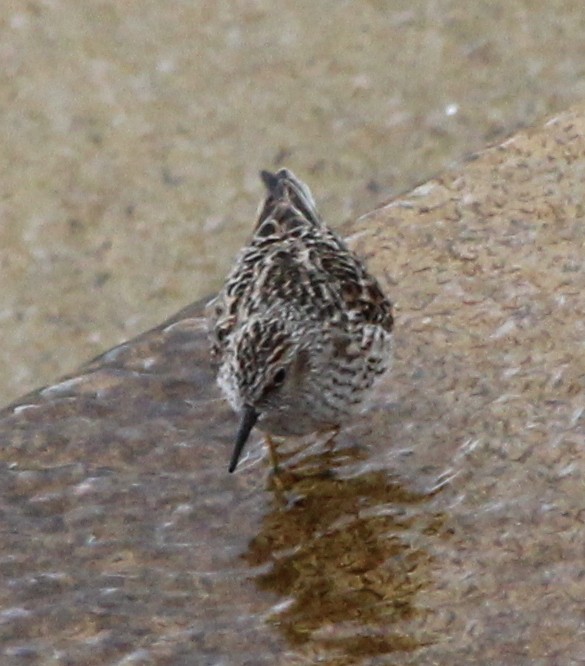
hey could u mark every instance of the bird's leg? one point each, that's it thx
(276, 479)
(332, 434)
(272, 452)
(328, 445)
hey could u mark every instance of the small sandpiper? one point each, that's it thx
(300, 329)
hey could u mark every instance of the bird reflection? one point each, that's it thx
(343, 540)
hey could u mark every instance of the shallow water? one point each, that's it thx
(124, 533)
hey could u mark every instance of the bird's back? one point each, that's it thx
(296, 263)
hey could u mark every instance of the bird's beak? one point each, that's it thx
(249, 418)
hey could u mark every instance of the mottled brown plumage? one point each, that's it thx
(300, 329)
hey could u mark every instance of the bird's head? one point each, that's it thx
(267, 375)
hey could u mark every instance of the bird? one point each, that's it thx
(300, 330)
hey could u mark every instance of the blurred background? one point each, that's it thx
(131, 135)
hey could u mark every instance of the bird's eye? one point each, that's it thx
(279, 377)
